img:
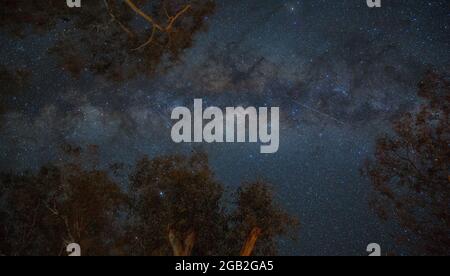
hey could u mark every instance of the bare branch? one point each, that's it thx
(175, 18)
(167, 29)
(165, 10)
(127, 30)
(150, 40)
(63, 218)
(143, 14)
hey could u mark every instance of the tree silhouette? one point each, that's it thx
(170, 205)
(43, 212)
(259, 217)
(410, 173)
(177, 199)
(177, 196)
(113, 38)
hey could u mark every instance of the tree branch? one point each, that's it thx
(143, 14)
(156, 26)
(63, 218)
(127, 30)
(150, 40)
(175, 18)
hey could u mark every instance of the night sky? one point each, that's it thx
(339, 71)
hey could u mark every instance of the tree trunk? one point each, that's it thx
(249, 244)
(182, 248)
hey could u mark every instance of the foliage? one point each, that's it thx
(256, 208)
(43, 212)
(113, 38)
(410, 172)
(171, 204)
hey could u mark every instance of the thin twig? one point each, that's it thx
(173, 19)
(127, 30)
(150, 40)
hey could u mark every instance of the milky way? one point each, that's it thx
(339, 71)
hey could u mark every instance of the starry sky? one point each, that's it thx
(339, 71)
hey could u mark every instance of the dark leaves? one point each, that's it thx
(410, 172)
(107, 37)
(167, 205)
